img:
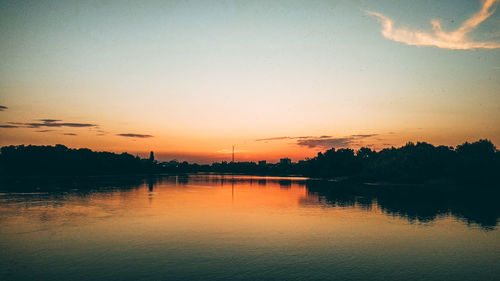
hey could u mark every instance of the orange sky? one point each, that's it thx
(189, 81)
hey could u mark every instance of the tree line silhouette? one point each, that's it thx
(421, 162)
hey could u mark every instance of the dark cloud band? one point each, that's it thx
(322, 141)
(59, 124)
(134, 135)
(52, 123)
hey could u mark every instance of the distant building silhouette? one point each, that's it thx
(151, 156)
(262, 162)
(285, 161)
(232, 160)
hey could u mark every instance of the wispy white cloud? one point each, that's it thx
(456, 39)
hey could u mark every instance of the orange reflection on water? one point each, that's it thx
(188, 227)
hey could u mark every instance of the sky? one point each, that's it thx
(190, 79)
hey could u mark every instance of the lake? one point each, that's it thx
(213, 227)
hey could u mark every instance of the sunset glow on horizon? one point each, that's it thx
(190, 79)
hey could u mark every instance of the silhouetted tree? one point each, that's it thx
(421, 162)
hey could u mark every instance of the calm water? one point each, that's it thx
(245, 228)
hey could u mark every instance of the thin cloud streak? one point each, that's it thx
(323, 141)
(101, 133)
(326, 142)
(455, 40)
(289, 138)
(364, 136)
(57, 124)
(134, 135)
(276, 138)
(51, 123)
(49, 120)
(2, 108)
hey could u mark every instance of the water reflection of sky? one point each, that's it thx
(227, 226)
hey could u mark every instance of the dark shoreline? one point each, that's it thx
(67, 182)
(420, 163)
